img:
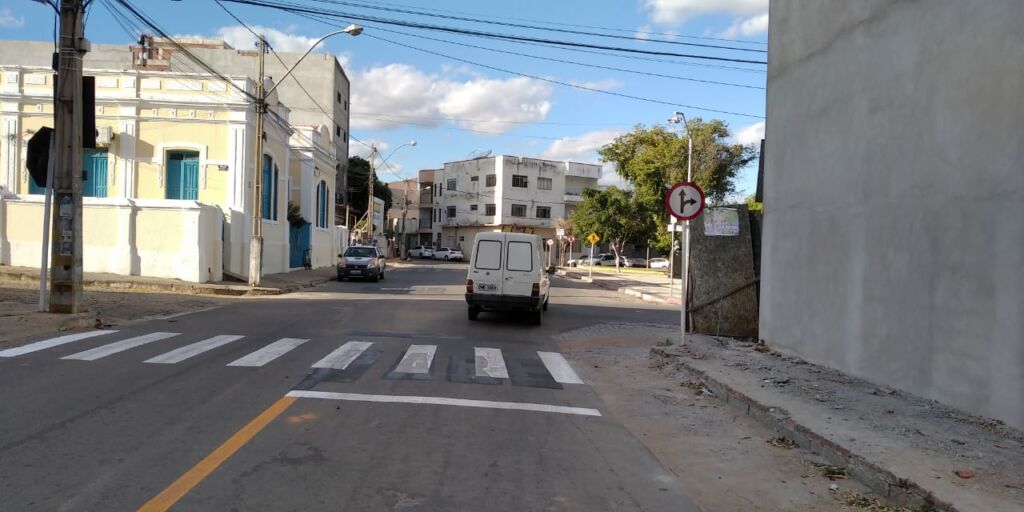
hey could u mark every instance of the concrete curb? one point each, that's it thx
(627, 290)
(897, 490)
(174, 287)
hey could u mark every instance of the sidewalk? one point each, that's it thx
(648, 287)
(273, 284)
(914, 452)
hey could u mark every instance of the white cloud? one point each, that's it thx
(483, 104)
(582, 148)
(610, 176)
(9, 20)
(601, 85)
(747, 27)
(750, 134)
(240, 37)
(675, 12)
(643, 32)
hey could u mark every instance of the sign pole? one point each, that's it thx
(671, 261)
(44, 265)
(685, 276)
(685, 201)
(591, 262)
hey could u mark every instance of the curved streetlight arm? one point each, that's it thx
(348, 30)
(392, 153)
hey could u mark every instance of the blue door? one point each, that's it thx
(298, 244)
(182, 175)
(94, 175)
(94, 179)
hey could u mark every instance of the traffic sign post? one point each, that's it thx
(593, 239)
(550, 244)
(685, 201)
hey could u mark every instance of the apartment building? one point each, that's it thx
(507, 193)
(429, 231)
(404, 214)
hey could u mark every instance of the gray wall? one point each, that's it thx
(894, 195)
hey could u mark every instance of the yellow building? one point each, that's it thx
(169, 188)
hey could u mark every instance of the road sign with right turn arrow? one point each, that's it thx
(685, 200)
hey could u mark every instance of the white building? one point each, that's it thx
(507, 193)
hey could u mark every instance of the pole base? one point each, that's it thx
(256, 261)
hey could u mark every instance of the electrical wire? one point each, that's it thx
(533, 27)
(296, 8)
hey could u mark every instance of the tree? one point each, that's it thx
(358, 170)
(617, 216)
(652, 159)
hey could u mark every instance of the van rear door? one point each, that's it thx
(520, 270)
(485, 270)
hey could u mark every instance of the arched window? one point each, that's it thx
(269, 199)
(322, 194)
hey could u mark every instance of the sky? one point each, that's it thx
(456, 109)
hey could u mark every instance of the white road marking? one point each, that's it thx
(120, 346)
(559, 368)
(269, 352)
(489, 363)
(434, 400)
(343, 356)
(50, 343)
(180, 354)
(417, 359)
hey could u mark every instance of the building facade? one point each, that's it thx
(893, 237)
(507, 193)
(168, 191)
(429, 230)
(403, 217)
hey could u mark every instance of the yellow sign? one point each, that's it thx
(593, 238)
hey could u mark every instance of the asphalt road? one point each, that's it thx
(396, 401)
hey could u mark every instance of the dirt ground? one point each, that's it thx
(723, 459)
(20, 322)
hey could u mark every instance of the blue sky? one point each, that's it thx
(400, 94)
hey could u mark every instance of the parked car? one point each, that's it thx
(608, 260)
(658, 263)
(448, 254)
(427, 252)
(507, 273)
(584, 261)
(419, 251)
(636, 262)
(365, 261)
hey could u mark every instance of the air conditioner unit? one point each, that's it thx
(104, 135)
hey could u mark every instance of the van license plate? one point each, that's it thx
(484, 287)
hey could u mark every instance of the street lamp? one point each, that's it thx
(256, 245)
(680, 118)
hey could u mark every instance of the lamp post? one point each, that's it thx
(256, 245)
(680, 118)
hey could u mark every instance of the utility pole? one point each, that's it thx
(66, 249)
(256, 245)
(369, 186)
(405, 211)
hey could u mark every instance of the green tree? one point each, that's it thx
(617, 216)
(652, 159)
(358, 170)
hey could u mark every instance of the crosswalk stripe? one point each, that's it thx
(343, 355)
(50, 343)
(559, 368)
(120, 346)
(489, 363)
(269, 352)
(417, 359)
(183, 353)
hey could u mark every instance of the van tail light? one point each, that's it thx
(469, 286)
(536, 290)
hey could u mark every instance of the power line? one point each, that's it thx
(567, 84)
(611, 29)
(291, 7)
(533, 27)
(462, 119)
(574, 63)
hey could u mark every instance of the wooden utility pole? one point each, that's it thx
(66, 249)
(256, 244)
(369, 208)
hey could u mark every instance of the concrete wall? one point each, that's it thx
(894, 195)
(172, 239)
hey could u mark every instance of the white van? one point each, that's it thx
(506, 273)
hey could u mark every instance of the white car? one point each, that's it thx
(507, 274)
(447, 254)
(658, 263)
(417, 252)
(363, 261)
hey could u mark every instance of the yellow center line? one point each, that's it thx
(176, 491)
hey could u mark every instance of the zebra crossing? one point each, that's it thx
(485, 365)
